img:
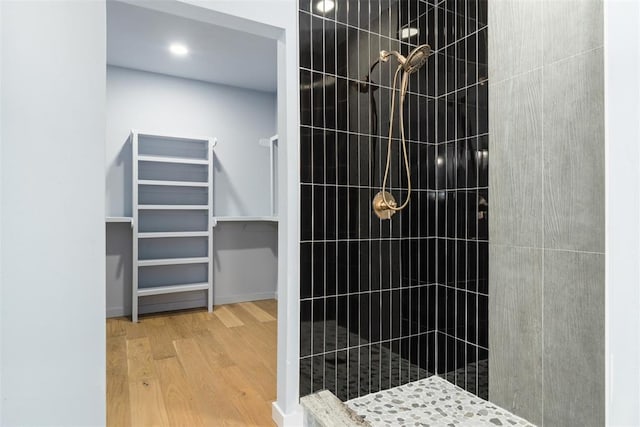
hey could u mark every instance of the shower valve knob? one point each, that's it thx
(383, 205)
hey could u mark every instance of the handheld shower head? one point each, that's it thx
(417, 58)
(412, 63)
(384, 205)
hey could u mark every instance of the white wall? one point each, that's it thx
(622, 109)
(238, 118)
(52, 226)
(1, 395)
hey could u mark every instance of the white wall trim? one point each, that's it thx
(1, 299)
(289, 230)
(293, 419)
(232, 299)
(622, 176)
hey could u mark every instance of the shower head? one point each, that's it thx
(417, 58)
(412, 63)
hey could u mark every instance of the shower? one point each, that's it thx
(384, 204)
(387, 300)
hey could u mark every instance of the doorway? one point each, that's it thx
(172, 76)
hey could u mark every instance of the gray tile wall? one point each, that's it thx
(573, 135)
(546, 229)
(515, 327)
(573, 361)
(516, 214)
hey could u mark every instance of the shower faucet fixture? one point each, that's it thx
(413, 61)
(384, 204)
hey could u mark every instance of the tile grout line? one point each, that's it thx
(543, 225)
(335, 62)
(394, 139)
(477, 314)
(506, 245)
(324, 204)
(539, 68)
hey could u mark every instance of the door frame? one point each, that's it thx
(276, 20)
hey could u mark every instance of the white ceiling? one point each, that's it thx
(139, 38)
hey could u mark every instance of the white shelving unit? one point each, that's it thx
(112, 219)
(272, 144)
(172, 202)
(165, 234)
(217, 219)
(273, 171)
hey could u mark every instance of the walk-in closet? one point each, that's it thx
(191, 220)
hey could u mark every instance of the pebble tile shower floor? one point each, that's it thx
(431, 402)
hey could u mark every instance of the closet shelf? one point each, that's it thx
(172, 261)
(119, 219)
(173, 207)
(158, 235)
(173, 183)
(177, 137)
(245, 218)
(216, 219)
(165, 159)
(159, 290)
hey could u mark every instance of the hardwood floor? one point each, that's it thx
(193, 368)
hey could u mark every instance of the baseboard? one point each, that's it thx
(295, 419)
(117, 312)
(185, 304)
(230, 299)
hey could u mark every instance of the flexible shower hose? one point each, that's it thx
(403, 91)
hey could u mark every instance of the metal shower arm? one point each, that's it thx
(384, 56)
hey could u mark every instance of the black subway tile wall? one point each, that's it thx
(387, 302)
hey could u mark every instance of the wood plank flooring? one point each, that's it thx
(193, 368)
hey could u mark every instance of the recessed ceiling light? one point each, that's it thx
(408, 32)
(324, 6)
(178, 49)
